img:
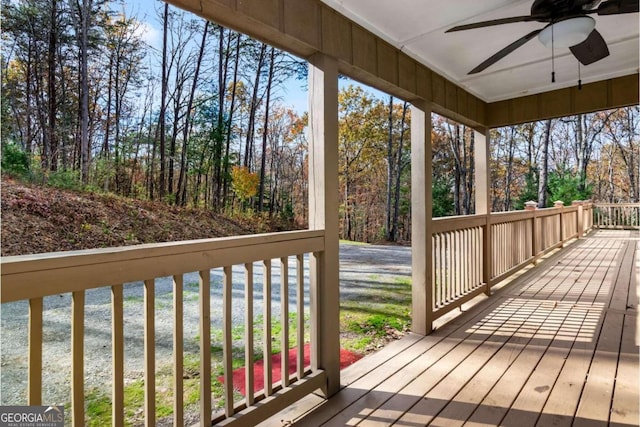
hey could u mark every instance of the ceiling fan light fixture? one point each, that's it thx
(568, 32)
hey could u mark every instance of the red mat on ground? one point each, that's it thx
(346, 359)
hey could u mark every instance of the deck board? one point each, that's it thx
(558, 346)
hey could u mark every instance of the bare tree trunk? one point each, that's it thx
(455, 146)
(544, 173)
(107, 122)
(388, 230)
(51, 155)
(223, 62)
(163, 104)
(248, 149)
(229, 123)
(181, 192)
(399, 169)
(469, 166)
(84, 11)
(29, 137)
(509, 174)
(265, 132)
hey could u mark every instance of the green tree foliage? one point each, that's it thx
(442, 198)
(566, 187)
(14, 160)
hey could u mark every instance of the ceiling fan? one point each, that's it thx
(569, 25)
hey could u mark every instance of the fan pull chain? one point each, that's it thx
(579, 79)
(553, 64)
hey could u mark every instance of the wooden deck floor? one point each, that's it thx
(559, 346)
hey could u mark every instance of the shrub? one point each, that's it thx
(14, 160)
(65, 180)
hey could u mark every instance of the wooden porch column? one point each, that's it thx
(482, 158)
(421, 211)
(323, 215)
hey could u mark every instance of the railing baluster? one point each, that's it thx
(266, 271)
(460, 266)
(205, 347)
(284, 319)
(248, 333)
(149, 354)
(452, 266)
(442, 267)
(460, 250)
(435, 269)
(77, 356)
(448, 266)
(300, 311)
(117, 349)
(178, 351)
(35, 352)
(227, 341)
(468, 260)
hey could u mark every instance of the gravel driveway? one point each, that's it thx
(360, 266)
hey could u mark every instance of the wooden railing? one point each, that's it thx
(34, 277)
(470, 253)
(457, 261)
(620, 215)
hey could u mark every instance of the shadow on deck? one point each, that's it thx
(558, 346)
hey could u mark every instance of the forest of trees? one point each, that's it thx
(202, 121)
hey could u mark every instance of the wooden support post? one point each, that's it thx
(533, 206)
(580, 225)
(77, 358)
(34, 375)
(421, 206)
(563, 235)
(323, 215)
(482, 158)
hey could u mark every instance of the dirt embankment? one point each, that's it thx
(42, 219)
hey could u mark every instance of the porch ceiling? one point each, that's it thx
(417, 27)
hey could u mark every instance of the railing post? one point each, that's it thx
(560, 204)
(323, 215)
(482, 158)
(421, 206)
(581, 225)
(533, 206)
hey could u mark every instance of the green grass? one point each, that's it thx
(99, 400)
(366, 317)
(353, 243)
(369, 316)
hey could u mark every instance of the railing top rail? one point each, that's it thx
(513, 216)
(454, 223)
(23, 276)
(613, 205)
(548, 212)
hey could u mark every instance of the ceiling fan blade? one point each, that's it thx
(593, 49)
(500, 21)
(617, 7)
(504, 52)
